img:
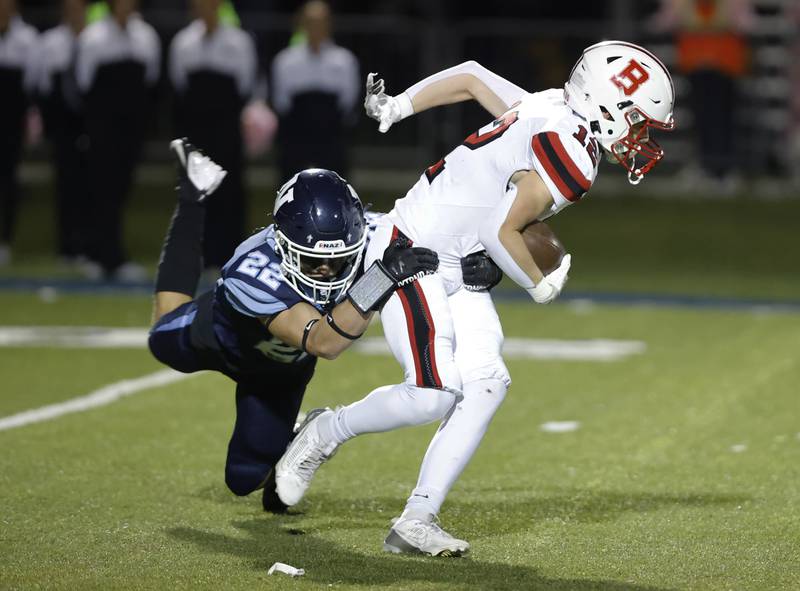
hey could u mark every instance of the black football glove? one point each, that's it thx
(405, 263)
(480, 272)
(401, 264)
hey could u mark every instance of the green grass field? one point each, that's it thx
(683, 474)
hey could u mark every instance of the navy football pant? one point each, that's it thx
(267, 402)
(264, 426)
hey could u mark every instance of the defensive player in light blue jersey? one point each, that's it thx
(291, 293)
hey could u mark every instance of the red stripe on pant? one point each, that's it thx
(421, 334)
(397, 234)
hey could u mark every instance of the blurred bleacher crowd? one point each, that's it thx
(90, 91)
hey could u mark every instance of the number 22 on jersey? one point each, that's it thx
(258, 265)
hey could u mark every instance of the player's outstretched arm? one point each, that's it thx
(501, 235)
(467, 81)
(463, 82)
(303, 327)
(327, 336)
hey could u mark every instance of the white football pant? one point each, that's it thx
(448, 341)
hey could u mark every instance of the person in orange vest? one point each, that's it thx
(712, 51)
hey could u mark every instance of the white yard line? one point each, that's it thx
(560, 426)
(75, 337)
(601, 350)
(105, 395)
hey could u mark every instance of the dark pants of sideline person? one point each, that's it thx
(114, 146)
(70, 148)
(10, 152)
(713, 100)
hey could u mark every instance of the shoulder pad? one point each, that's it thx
(566, 163)
(254, 284)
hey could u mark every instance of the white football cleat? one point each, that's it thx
(422, 536)
(303, 457)
(204, 174)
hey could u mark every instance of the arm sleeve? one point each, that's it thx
(279, 93)
(85, 64)
(153, 65)
(248, 68)
(43, 82)
(33, 66)
(508, 92)
(177, 71)
(350, 85)
(489, 237)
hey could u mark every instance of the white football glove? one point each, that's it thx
(551, 285)
(385, 109)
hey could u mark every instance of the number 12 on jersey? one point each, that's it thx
(591, 147)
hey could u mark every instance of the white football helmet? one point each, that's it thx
(623, 90)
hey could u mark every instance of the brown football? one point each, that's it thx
(544, 246)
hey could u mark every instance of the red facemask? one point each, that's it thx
(638, 145)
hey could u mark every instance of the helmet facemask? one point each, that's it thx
(638, 152)
(299, 264)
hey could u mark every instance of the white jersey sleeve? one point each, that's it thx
(507, 91)
(567, 162)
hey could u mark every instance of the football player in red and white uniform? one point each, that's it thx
(539, 155)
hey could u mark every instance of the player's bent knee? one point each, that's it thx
(165, 302)
(243, 478)
(167, 349)
(492, 370)
(430, 404)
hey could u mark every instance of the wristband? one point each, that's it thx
(306, 332)
(339, 331)
(372, 289)
(544, 292)
(405, 105)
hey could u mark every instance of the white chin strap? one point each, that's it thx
(634, 178)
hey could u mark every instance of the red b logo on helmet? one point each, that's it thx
(629, 79)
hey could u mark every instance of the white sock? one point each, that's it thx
(384, 409)
(454, 444)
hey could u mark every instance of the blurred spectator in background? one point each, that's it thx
(117, 67)
(62, 112)
(793, 14)
(713, 53)
(212, 68)
(18, 43)
(315, 87)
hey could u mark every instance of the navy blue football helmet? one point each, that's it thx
(320, 234)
